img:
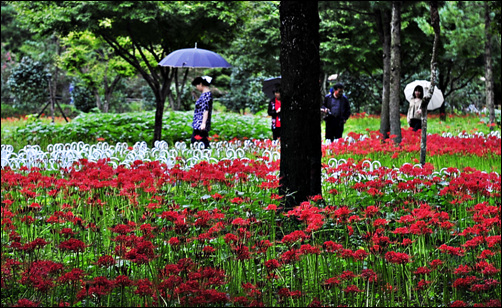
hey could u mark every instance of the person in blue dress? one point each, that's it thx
(203, 109)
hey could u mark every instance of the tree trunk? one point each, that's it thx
(428, 94)
(300, 170)
(490, 101)
(395, 73)
(383, 25)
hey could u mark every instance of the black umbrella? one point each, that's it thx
(270, 85)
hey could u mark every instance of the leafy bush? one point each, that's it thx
(28, 84)
(83, 98)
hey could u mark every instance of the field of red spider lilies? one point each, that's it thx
(190, 227)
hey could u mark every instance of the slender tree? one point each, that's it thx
(300, 171)
(428, 94)
(490, 101)
(395, 72)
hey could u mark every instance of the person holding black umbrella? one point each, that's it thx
(336, 109)
(203, 109)
(274, 110)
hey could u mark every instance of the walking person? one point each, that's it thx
(414, 116)
(336, 109)
(203, 109)
(274, 110)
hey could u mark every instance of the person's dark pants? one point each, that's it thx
(334, 128)
(416, 124)
(276, 133)
(200, 135)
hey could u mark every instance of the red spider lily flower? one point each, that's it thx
(371, 211)
(465, 282)
(420, 228)
(332, 247)
(423, 284)
(276, 197)
(237, 200)
(122, 229)
(458, 303)
(294, 236)
(401, 230)
(73, 245)
(272, 264)
(68, 232)
(240, 222)
(271, 207)
(74, 275)
(27, 219)
(397, 257)
(290, 256)
(144, 287)
(35, 205)
(197, 137)
(369, 274)
(295, 294)
(407, 242)
(352, 289)
(122, 281)
(231, 238)
(359, 255)
(462, 270)
(422, 271)
(332, 282)
(456, 251)
(105, 261)
(492, 241)
(242, 252)
(475, 242)
(485, 254)
(99, 286)
(241, 301)
(262, 246)
(35, 244)
(436, 263)
(207, 250)
(347, 275)
(487, 269)
(284, 292)
(39, 274)
(308, 249)
(25, 303)
(380, 222)
(217, 196)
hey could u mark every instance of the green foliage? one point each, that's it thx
(246, 92)
(83, 98)
(134, 127)
(28, 84)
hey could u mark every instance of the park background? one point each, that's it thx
(126, 227)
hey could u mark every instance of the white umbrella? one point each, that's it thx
(437, 96)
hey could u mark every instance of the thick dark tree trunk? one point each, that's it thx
(383, 25)
(395, 72)
(300, 171)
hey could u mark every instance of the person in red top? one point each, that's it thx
(274, 110)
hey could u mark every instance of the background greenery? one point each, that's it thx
(350, 49)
